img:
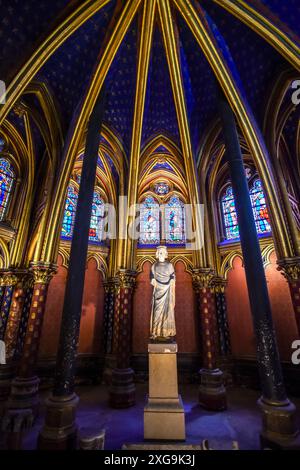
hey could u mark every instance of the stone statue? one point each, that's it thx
(162, 323)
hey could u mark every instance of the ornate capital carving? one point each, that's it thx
(12, 277)
(290, 268)
(126, 278)
(202, 278)
(42, 272)
(219, 284)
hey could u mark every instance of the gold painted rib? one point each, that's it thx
(265, 28)
(204, 37)
(173, 59)
(46, 49)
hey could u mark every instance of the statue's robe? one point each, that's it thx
(162, 323)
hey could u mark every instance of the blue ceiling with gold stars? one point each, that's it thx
(253, 61)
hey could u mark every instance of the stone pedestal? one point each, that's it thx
(164, 413)
(60, 429)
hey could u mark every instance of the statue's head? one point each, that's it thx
(161, 253)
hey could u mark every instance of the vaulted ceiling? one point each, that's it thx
(68, 71)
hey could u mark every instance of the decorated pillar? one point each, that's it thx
(109, 311)
(24, 388)
(122, 391)
(219, 285)
(212, 393)
(290, 268)
(279, 414)
(60, 429)
(8, 281)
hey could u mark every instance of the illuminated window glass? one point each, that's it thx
(69, 214)
(97, 218)
(149, 222)
(162, 189)
(229, 215)
(259, 208)
(174, 221)
(7, 177)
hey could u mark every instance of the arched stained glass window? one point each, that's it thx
(69, 214)
(149, 222)
(97, 219)
(174, 221)
(7, 177)
(229, 215)
(259, 208)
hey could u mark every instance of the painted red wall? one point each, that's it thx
(185, 313)
(239, 316)
(91, 326)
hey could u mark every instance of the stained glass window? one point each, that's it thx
(7, 176)
(175, 221)
(259, 208)
(161, 188)
(229, 215)
(69, 214)
(97, 219)
(149, 222)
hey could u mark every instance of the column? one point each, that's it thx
(122, 391)
(8, 282)
(212, 393)
(25, 386)
(279, 425)
(109, 303)
(290, 268)
(60, 429)
(219, 285)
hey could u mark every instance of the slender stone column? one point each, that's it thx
(221, 313)
(24, 388)
(212, 393)
(290, 268)
(122, 391)
(109, 310)
(279, 425)
(60, 430)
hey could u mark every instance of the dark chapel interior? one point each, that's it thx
(168, 104)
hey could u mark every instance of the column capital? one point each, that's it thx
(110, 285)
(12, 276)
(202, 277)
(290, 268)
(42, 272)
(126, 278)
(219, 284)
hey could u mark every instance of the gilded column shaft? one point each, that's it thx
(42, 275)
(5, 307)
(206, 303)
(221, 315)
(14, 318)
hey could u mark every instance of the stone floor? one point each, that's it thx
(240, 422)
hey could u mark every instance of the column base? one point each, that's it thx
(212, 393)
(60, 429)
(279, 426)
(122, 390)
(24, 395)
(6, 375)
(110, 363)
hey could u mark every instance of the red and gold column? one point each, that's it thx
(9, 301)
(122, 391)
(212, 393)
(290, 268)
(24, 388)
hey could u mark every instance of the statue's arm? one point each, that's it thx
(152, 276)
